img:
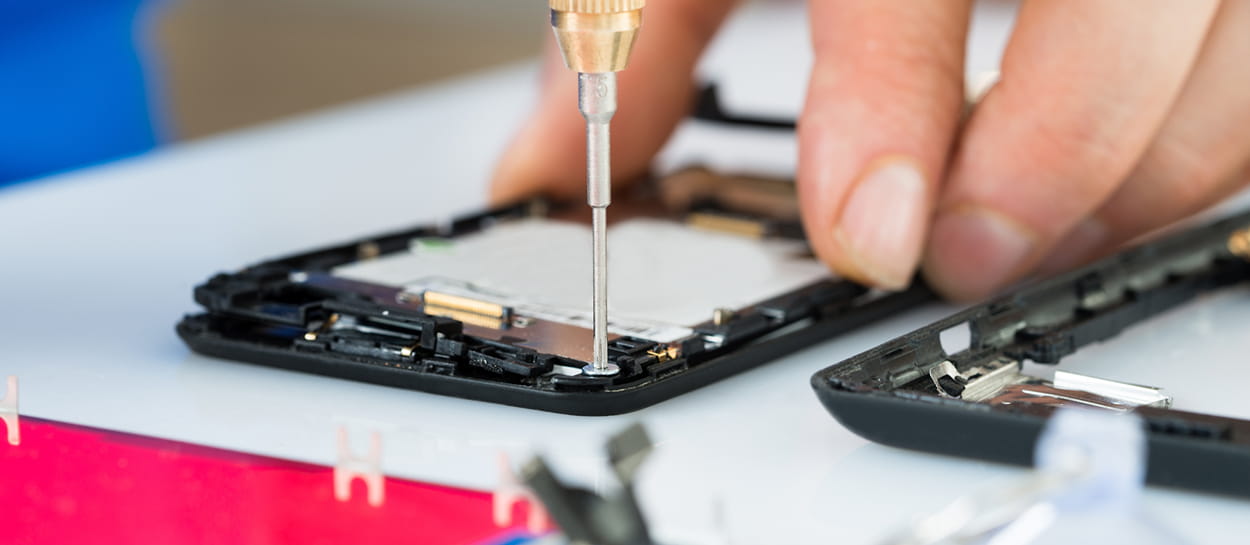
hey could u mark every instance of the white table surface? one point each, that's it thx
(98, 265)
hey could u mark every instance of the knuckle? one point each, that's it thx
(1076, 145)
(901, 89)
(1080, 138)
(700, 19)
(1191, 174)
(1174, 178)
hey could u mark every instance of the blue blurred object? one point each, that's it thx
(72, 85)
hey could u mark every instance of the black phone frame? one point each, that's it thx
(874, 393)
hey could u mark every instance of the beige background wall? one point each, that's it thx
(231, 63)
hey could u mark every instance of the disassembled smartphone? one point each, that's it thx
(990, 400)
(710, 276)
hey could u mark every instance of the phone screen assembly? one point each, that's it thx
(710, 276)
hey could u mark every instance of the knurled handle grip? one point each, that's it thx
(596, 6)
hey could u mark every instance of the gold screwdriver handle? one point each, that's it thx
(597, 6)
(596, 36)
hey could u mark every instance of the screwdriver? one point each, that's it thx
(596, 37)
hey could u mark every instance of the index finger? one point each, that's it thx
(882, 109)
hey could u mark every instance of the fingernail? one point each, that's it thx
(974, 252)
(883, 223)
(1082, 243)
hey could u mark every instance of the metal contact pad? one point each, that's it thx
(667, 276)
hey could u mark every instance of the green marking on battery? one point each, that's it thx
(432, 245)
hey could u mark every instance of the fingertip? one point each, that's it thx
(1084, 243)
(508, 180)
(881, 231)
(526, 170)
(547, 155)
(973, 252)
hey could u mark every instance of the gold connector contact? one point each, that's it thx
(1239, 243)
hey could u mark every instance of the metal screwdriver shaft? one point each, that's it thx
(597, 101)
(596, 37)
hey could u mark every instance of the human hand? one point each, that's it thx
(1110, 119)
